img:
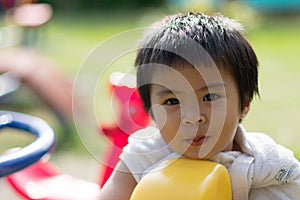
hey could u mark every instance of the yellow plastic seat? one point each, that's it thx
(185, 179)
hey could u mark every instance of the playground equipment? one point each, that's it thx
(129, 118)
(39, 179)
(43, 174)
(182, 178)
(24, 157)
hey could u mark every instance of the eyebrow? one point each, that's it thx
(213, 85)
(167, 91)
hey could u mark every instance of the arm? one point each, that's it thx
(120, 185)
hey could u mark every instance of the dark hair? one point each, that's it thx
(219, 37)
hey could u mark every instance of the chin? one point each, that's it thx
(196, 156)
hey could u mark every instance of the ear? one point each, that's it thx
(245, 109)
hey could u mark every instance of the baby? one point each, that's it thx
(196, 76)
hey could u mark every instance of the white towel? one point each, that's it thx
(263, 170)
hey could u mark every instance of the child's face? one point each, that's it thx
(197, 117)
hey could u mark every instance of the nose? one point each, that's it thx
(193, 118)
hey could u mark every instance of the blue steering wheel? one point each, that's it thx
(28, 155)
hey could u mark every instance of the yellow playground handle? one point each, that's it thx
(185, 179)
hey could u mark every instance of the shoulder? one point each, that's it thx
(252, 135)
(250, 141)
(144, 149)
(264, 144)
(145, 140)
(267, 153)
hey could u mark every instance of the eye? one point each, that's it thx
(171, 102)
(210, 97)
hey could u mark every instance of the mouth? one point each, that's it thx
(197, 141)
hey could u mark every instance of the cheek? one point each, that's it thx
(225, 112)
(217, 115)
(223, 121)
(168, 126)
(159, 114)
(231, 121)
(230, 126)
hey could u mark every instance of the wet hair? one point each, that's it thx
(171, 42)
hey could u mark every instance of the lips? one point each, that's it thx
(197, 141)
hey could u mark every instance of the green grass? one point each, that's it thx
(277, 44)
(70, 38)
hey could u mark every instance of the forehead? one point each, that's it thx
(187, 76)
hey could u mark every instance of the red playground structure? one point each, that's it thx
(130, 117)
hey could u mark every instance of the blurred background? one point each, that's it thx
(68, 30)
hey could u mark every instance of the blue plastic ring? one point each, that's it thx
(30, 154)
